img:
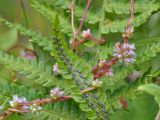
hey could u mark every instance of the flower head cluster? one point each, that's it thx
(56, 69)
(108, 70)
(97, 83)
(16, 100)
(86, 34)
(56, 93)
(125, 52)
(35, 108)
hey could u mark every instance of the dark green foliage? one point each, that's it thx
(107, 19)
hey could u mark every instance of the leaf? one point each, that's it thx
(142, 108)
(8, 39)
(152, 89)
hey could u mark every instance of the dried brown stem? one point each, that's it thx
(132, 15)
(128, 32)
(84, 17)
(88, 89)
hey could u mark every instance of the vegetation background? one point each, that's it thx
(141, 105)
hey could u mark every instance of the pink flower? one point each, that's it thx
(86, 34)
(102, 63)
(56, 69)
(110, 72)
(125, 52)
(56, 93)
(16, 100)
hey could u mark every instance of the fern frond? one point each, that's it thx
(33, 70)
(130, 90)
(92, 17)
(62, 110)
(67, 61)
(124, 8)
(49, 14)
(119, 25)
(37, 38)
(9, 89)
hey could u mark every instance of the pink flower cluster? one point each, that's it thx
(56, 93)
(125, 52)
(18, 100)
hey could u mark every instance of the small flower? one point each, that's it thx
(56, 93)
(56, 69)
(102, 63)
(86, 34)
(110, 72)
(16, 100)
(30, 55)
(97, 83)
(125, 52)
(35, 108)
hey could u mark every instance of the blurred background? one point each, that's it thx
(11, 41)
(22, 13)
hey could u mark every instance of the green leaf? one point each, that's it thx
(152, 89)
(8, 39)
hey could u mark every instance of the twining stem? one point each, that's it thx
(84, 17)
(132, 15)
(128, 32)
(72, 19)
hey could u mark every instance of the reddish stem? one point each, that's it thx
(84, 17)
(72, 18)
(132, 15)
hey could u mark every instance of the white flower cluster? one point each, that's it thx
(56, 69)
(96, 83)
(56, 93)
(125, 52)
(16, 100)
(35, 108)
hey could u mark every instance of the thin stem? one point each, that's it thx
(84, 17)
(72, 19)
(87, 90)
(19, 11)
(100, 28)
(132, 15)
(128, 32)
(25, 14)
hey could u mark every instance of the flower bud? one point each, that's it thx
(35, 108)
(86, 34)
